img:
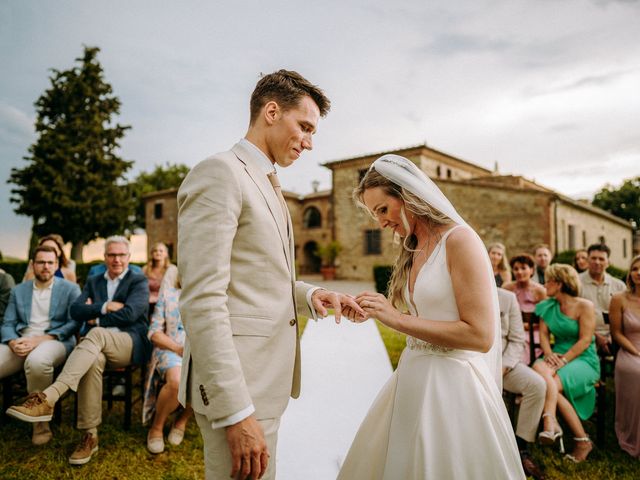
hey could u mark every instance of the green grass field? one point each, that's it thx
(123, 455)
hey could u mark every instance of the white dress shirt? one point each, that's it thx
(39, 321)
(112, 286)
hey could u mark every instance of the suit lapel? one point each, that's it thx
(55, 297)
(269, 195)
(101, 290)
(28, 300)
(122, 286)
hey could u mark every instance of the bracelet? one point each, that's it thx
(564, 360)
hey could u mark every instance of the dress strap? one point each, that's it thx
(446, 234)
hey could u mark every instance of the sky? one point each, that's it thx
(547, 89)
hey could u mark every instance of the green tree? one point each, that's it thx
(161, 178)
(623, 201)
(74, 181)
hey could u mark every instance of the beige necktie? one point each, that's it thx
(275, 183)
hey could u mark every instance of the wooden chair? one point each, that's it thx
(607, 366)
(531, 320)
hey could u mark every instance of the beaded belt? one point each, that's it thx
(416, 344)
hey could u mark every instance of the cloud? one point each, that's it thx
(16, 128)
(600, 80)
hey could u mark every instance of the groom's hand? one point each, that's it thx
(338, 301)
(249, 452)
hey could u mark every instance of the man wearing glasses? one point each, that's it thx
(37, 330)
(115, 306)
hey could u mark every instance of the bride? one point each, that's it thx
(441, 414)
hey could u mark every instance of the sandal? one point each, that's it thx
(578, 458)
(549, 437)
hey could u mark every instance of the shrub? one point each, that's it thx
(381, 276)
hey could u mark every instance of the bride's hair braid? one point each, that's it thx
(415, 206)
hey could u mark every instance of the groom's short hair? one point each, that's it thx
(286, 88)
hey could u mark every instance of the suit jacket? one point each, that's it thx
(513, 336)
(239, 293)
(63, 325)
(133, 291)
(6, 284)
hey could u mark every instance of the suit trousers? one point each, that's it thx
(525, 381)
(38, 364)
(217, 458)
(83, 371)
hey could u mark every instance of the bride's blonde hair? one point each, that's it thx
(415, 206)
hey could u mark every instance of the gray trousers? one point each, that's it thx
(528, 383)
(217, 458)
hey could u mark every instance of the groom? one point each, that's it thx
(240, 298)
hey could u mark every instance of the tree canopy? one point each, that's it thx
(74, 182)
(160, 178)
(623, 201)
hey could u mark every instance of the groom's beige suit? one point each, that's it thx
(239, 299)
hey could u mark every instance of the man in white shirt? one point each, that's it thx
(598, 286)
(38, 331)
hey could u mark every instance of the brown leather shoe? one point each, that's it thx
(530, 468)
(83, 452)
(34, 409)
(41, 433)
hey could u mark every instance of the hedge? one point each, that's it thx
(381, 276)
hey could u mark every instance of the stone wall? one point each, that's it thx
(164, 229)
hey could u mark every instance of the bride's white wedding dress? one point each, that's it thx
(441, 415)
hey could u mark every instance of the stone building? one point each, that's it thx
(502, 208)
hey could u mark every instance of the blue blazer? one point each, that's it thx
(18, 313)
(133, 291)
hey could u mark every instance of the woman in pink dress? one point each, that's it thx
(624, 314)
(528, 293)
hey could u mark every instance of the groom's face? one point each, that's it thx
(386, 209)
(291, 131)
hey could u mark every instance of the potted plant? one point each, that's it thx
(328, 253)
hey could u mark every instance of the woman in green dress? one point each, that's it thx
(571, 368)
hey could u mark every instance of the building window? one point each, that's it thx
(372, 242)
(584, 239)
(361, 174)
(448, 173)
(572, 237)
(312, 218)
(157, 211)
(601, 239)
(624, 248)
(438, 171)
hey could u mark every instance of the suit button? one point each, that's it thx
(292, 322)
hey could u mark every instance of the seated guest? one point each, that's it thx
(581, 260)
(624, 312)
(520, 379)
(163, 375)
(542, 256)
(65, 269)
(598, 286)
(115, 305)
(571, 369)
(37, 330)
(498, 257)
(6, 284)
(528, 293)
(158, 269)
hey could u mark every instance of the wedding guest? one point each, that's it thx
(65, 269)
(520, 379)
(158, 270)
(581, 260)
(624, 313)
(6, 284)
(498, 256)
(528, 293)
(37, 331)
(571, 369)
(163, 375)
(598, 286)
(542, 255)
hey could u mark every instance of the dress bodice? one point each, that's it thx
(631, 327)
(526, 299)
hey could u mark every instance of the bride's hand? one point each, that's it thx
(376, 305)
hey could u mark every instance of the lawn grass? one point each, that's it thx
(123, 455)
